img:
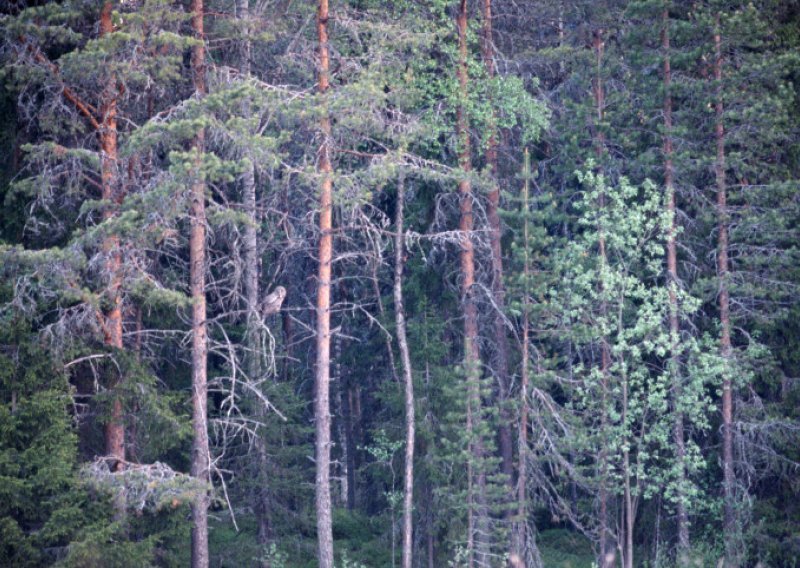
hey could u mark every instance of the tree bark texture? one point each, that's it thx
(498, 288)
(730, 528)
(350, 443)
(114, 429)
(627, 559)
(323, 333)
(606, 549)
(477, 516)
(197, 266)
(672, 272)
(520, 530)
(251, 290)
(387, 337)
(408, 379)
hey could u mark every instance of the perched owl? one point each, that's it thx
(272, 303)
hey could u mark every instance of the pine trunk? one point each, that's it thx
(477, 517)
(672, 270)
(115, 427)
(251, 290)
(626, 473)
(405, 358)
(730, 525)
(323, 334)
(387, 337)
(498, 288)
(520, 530)
(350, 446)
(197, 261)
(606, 551)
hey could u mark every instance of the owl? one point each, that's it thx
(272, 303)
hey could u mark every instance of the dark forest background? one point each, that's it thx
(383, 283)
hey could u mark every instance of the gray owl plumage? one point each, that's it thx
(272, 303)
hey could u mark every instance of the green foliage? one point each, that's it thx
(564, 549)
(101, 546)
(41, 498)
(362, 539)
(393, 104)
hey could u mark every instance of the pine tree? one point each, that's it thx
(208, 203)
(322, 403)
(408, 377)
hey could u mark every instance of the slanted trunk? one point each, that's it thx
(672, 271)
(498, 289)
(477, 515)
(730, 528)
(408, 380)
(197, 267)
(322, 411)
(387, 337)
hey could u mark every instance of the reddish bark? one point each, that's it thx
(114, 428)
(498, 288)
(104, 123)
(197, 267)
(323, 337)
(477, 516)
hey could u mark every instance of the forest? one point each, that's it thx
(395, 283)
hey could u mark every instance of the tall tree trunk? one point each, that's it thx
(730, 522)
(375, 263)
(351, 447)
(112, 196)
(672, 270)
(251, 289)
(606, 550)
(477, 516)
(498, 288)
(520, 530)
(132, 438)
(197, 276)
(322, 404)
(338, 424)
(626, 473)
(431, 550)
(560, 31)
(408, 379)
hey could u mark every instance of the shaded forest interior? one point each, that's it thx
(371, 283)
